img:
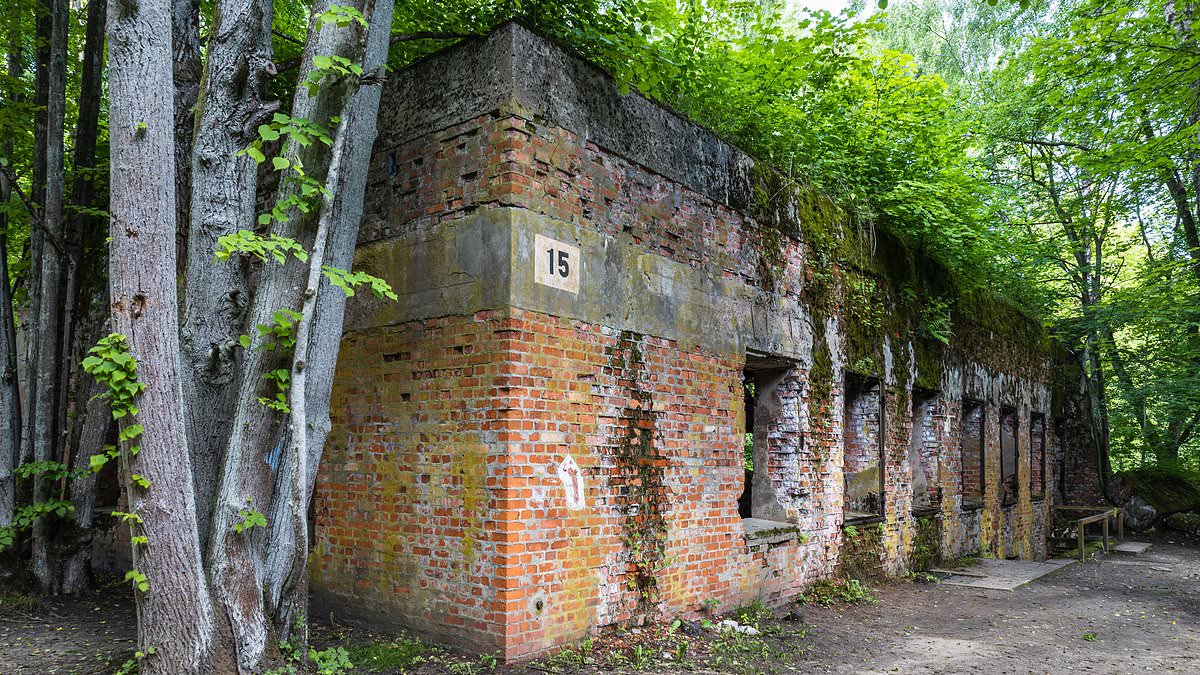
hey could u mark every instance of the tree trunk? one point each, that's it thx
(44, 29)
(256, 430)
(10, 392)
(77, 563)
(223, 202)
(286, 569)
(185, 42)
(10, 395)
(45, 398)
(176, 616)
(85, 286)
(285, 565)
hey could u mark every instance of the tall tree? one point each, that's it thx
(43, 438)
(86, 305)
(177, 618)
(223, 200)
(10, 390)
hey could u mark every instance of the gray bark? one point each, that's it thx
(10, 392)
(77, 565)
(286, 569)
(45, 438)
(285, 565)
(223, 201)
(177, 616)
(256, 431)
(185, 43)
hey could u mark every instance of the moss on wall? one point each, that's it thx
(880, 288)
(639, 478)
(862, 552)
(927, 537)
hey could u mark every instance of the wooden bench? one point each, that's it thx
(1100, 514)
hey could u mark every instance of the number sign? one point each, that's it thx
(556, 264)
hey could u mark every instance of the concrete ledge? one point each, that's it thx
(759, 531)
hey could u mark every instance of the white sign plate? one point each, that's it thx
(556, 264)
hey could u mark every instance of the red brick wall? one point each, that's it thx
(1037, 454)
(410, 525)
(441, 504)
(970, 440)
(656, 430)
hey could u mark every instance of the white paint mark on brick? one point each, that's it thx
(572, 480)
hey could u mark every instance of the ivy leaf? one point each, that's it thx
(97, 462)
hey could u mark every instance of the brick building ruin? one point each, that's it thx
(632, 371)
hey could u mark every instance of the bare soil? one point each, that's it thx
(90, 634)
(1120, 614)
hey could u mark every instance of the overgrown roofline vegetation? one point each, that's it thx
(807, 94)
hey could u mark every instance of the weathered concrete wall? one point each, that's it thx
(544, 436)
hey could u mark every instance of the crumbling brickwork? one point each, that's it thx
(544, 436)
(971, 452)
(925, 450)
(862, 446)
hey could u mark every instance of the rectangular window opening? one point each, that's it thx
(971, 441)
(749, 391)
(863, 438)
(1037, 455)
(923, 453)
(771, 388)
(1058, 465)
(1009, 455)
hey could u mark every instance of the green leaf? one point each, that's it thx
(139, 580)
(131, 432)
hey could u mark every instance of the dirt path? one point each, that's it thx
(1121, 614)
(94, 634)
